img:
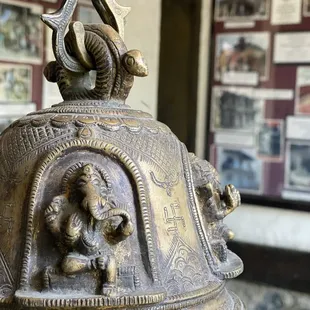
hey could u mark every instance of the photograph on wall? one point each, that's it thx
(15, 83)
(241, 167)
(88, 15)
(21, 38)
(306, 7)
(244, 52)
(241, 10)
(297, 170)
(237, 111)
(302, 99)
(270, 139)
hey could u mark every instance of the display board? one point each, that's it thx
(260, 104)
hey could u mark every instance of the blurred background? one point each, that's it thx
(232, 80)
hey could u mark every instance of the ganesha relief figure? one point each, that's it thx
(84, 221)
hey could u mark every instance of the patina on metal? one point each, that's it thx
(101, 205)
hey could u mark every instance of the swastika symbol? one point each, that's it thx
(173, 219)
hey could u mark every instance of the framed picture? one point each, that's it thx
(226, 10)
(235, 111)
(15, 83)
(270, 139)
(88, 15)
(244, 52)
(306, 7)
(240, 166)
(302, 98)
(21, 38)
(297, 170)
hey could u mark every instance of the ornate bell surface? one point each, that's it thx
(101, 205)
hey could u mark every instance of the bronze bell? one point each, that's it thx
(101, 205)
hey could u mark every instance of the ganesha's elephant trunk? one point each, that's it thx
(124, 229)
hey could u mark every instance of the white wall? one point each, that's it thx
(272, 227)
(142, 32)
(252, 224)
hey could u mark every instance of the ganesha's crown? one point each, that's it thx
(102, 206)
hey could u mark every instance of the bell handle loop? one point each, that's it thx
(59, 22)
(77, 33)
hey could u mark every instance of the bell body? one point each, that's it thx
(99, 208)
(101, 205)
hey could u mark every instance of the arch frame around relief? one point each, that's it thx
(106, 149)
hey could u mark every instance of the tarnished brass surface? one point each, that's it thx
(101, 205)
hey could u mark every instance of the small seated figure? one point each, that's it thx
(86, 233)
(215, 205)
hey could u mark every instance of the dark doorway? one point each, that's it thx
(178, 75)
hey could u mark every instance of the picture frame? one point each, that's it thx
(231, 10)
(239, 165)
(15, 83)
(302, 92)
(21, 37)
(242, 52)
(306, 8)
(226, 116)
(270, 140)
(87, 14)
(297, 166)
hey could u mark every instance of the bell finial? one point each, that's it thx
(93, 47)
